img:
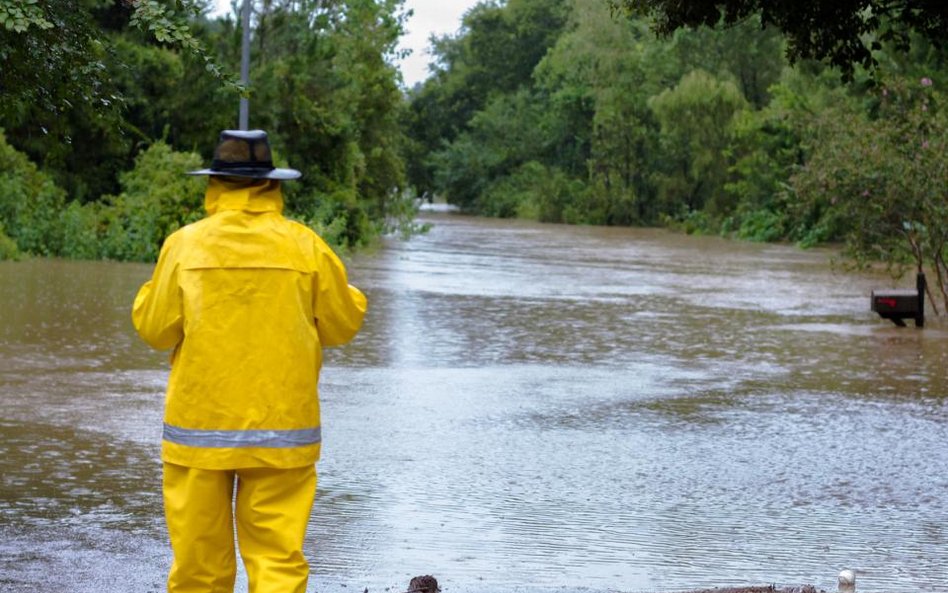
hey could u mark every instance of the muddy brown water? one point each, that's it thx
(529, 407)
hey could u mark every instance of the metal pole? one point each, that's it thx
(245, 64)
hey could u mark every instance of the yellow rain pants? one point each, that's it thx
(271, 510)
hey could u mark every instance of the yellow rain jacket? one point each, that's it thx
(247, 299)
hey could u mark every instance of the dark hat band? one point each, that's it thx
(219, 165)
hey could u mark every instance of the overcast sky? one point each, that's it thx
(430, 17)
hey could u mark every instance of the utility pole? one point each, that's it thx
(245, 65)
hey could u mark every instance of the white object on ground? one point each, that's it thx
(847, 581)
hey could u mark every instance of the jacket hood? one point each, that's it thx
(263, 195)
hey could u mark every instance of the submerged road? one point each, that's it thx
(530, 407)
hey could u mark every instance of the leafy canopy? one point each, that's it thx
(843, 32)
(69, 38)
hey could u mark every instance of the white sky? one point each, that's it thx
(430, 17)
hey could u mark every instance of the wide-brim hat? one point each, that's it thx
(245, 153)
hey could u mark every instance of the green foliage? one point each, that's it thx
(843, 32)
(140, 73)
(330, 222)
(881, 182)
(546, 109)
(765, 146)
(31, 48)
(692, 222)
(610, 108)
(703, 130)
(157, 198)
(493, 54)
(463, 171)
(506, 134)
(534, 191)
(114, 90)
(8, 248)
(747, 54)
(325, 91)
(164, 24)
(20, 15)
(69, 38)
(760, 225)
(599, 77)
(29, 203)
(696, 117)
(81, 226)
(400, 221)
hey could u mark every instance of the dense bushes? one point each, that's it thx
(8, 249)
(30, 204)
(156, 199)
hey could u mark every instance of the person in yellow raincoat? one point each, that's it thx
(245, 300)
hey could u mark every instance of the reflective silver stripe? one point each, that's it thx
(242, 438)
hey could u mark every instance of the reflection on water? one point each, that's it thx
(529, 406)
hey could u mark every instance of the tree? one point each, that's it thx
(600, 74)
(886, 177)
(843, 32)
(67, 37)
(750, 55)
(85, 82)
(324, 86)
(503, 136)
(137, 74)
(494, 54)
(581, 118)
(696, 118)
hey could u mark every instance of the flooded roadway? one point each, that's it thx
(528, 407)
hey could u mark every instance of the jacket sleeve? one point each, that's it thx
(158, 313)
(338, 306)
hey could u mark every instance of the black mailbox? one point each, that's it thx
(898, 305)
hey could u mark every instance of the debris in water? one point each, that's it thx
(423, 584)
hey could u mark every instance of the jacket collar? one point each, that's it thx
(263, 195)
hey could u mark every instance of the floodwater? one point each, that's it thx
(529, 407)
